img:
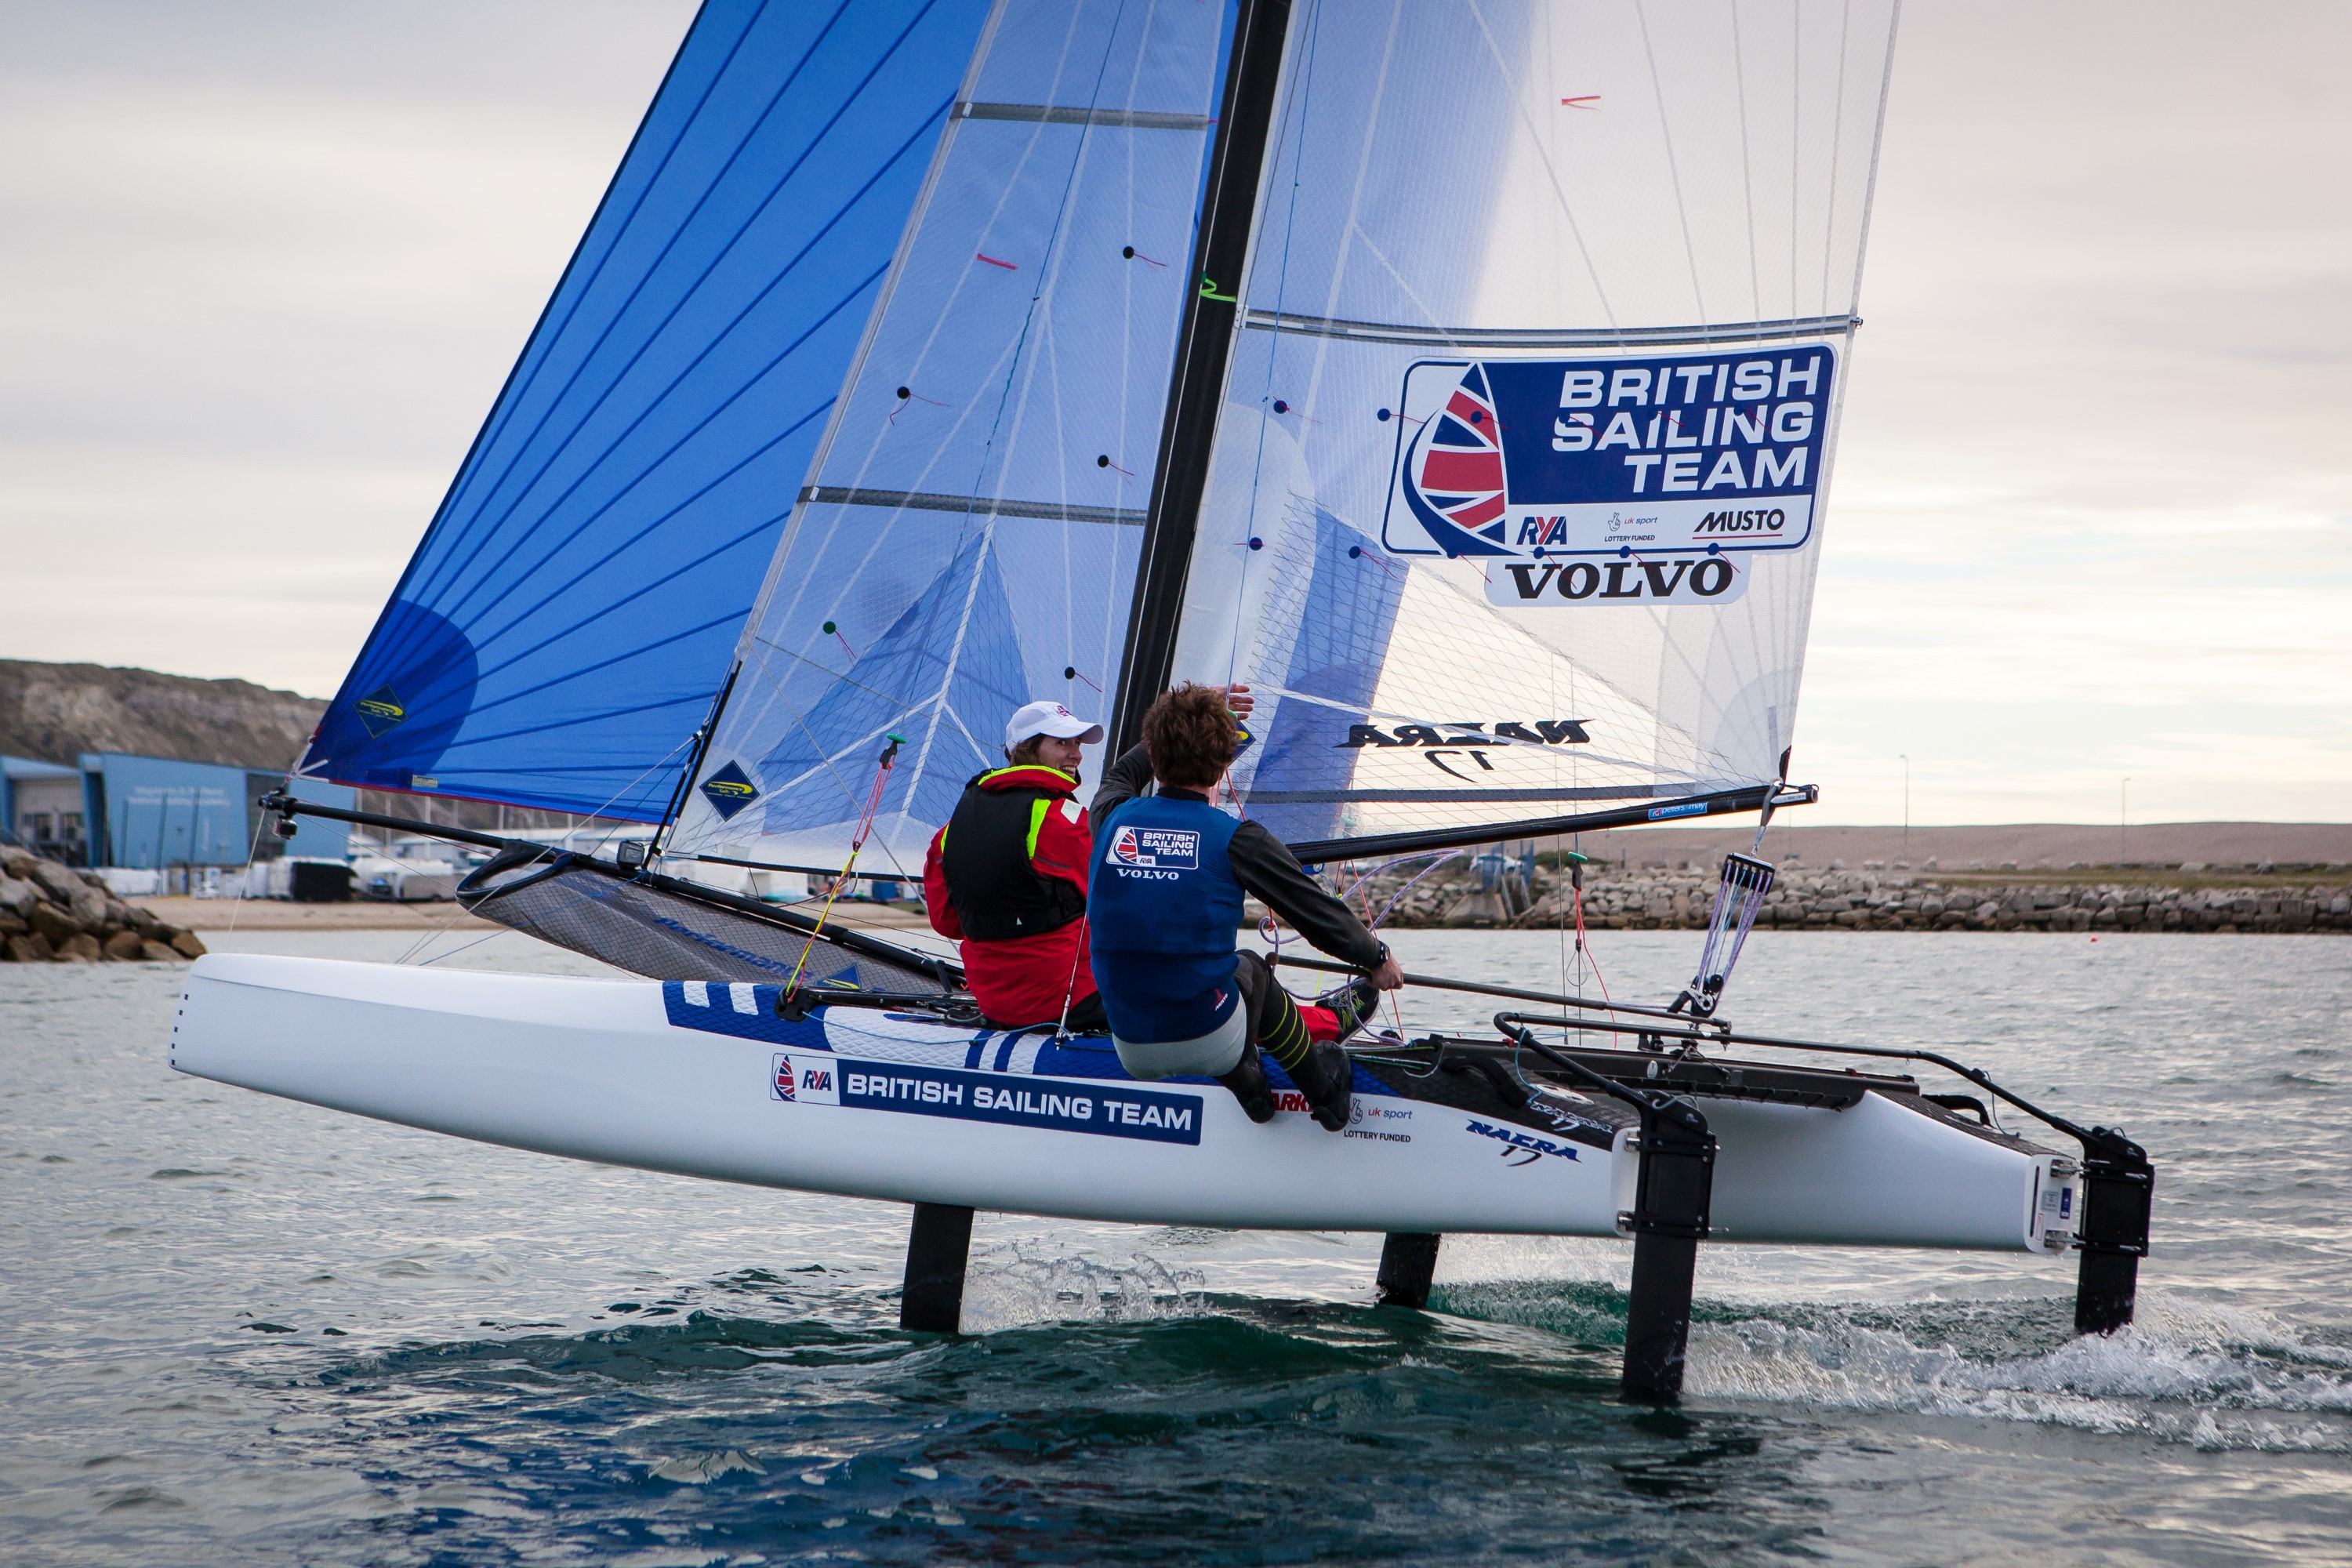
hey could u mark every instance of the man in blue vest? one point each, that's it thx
(1164, 901)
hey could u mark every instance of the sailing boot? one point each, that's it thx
(1248, 1081)
(1354, 1005)
(1319, 1068)
(1327, 1078)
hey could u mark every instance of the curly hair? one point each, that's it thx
(1191, 736)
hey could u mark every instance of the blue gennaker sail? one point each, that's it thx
(967, 538)
(573, 609)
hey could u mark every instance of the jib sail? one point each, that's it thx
(967, 537)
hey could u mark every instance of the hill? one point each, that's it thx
(54, 711)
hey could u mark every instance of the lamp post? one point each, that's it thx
(1906, 811)
(2123, 824)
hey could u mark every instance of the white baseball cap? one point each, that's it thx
(1049, 719)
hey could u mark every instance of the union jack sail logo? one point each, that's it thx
(1453, 471)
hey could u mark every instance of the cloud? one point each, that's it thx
(2092, 443)
(265, 268)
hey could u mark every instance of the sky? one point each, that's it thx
(263, 268)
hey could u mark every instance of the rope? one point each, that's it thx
(865, 825)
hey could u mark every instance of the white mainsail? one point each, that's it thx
(1515, 502)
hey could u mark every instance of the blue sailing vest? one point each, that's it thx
(1163, 905)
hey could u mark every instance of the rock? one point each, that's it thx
(80, 948)
(156, 953)
(30, 950)
(60, 883)
(12, 926)
(185, 944)
(124, 947)
(65, 889)
(53, 923)
(18, 894)
(16, 862)
(1479, 908)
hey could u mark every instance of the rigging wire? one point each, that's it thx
(865, 825)
(458, 911)
(1010, 365)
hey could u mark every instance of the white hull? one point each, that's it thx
(685, 1080)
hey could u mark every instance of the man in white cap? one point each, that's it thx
(1007, 878)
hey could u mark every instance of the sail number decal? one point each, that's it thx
(1107, 1110)
(1611, 482)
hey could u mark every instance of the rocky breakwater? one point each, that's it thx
(1680, 898)
(51, 913)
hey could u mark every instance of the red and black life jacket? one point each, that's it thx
(989, 851)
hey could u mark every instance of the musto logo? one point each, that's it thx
(1611, 482)
(1173, 848)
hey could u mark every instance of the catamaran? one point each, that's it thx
(1463, 375)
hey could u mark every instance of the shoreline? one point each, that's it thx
(1681, 898)
(368, 914)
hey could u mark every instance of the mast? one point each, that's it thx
(1204, 344)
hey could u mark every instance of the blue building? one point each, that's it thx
(151, 813)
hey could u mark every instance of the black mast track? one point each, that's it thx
(1381, 846)
(1204, 345)
(700, 749)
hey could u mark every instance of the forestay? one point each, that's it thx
(569, 616)
(1514, 502)
(967, 538)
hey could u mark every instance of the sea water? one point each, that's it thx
(246, 1330)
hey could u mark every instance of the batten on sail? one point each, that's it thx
(1515, 500)
(568, 614)
(968, 529)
